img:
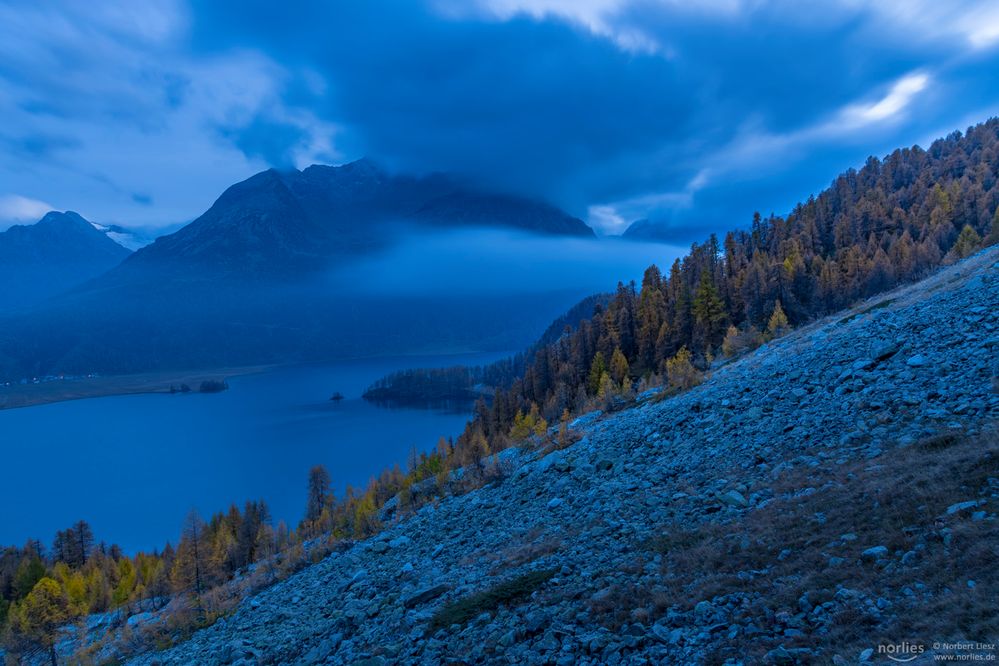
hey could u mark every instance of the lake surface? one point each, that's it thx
(133, 466)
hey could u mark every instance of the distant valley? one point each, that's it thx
(264, 276)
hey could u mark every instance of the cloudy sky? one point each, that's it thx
(691, 113)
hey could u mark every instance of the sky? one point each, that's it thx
(693, 114)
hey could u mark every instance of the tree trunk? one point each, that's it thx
(52, 654)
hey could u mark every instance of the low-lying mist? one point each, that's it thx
(446, 291)
(487, 261)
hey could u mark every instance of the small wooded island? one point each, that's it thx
(213, 386)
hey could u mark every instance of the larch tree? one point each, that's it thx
(191, 561)
(619, 367)
(993, 237)
(597, 369)
(318, 498)
(40, 614)
(967, 243)
(778, 323)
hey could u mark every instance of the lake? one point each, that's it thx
(133, 466)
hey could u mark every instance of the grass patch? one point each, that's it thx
(463, 610)
(877, 306)
(795, 546)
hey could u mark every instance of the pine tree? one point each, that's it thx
(709, 313)
(29, 572)
(597, 369)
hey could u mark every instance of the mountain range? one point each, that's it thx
(249, 281)
(58, 252)
(290, 223)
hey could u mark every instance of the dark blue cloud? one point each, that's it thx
(546, 107)
(694, 114)
(267, 139)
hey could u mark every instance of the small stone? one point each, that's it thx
(425, 595)
(780, 656)
(555, 503)
(961, 506)
(535, 622)
(874, 553)
(734, 498)
(916, 361)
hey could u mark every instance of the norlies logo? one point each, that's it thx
(902, 652)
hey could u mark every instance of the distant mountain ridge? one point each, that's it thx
(57, 253)
(291, 222)
(263, 276)
(647, 230)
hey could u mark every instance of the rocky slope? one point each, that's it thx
(830, 493)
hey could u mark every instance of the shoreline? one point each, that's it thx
(18, 396)
(31, 395)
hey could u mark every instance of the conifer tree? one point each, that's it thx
(993, 236)
(709, 313)
(619, 367)
(190, 564)
(597, 369)
(967, 243)
(680, 371)
(319, 497)
(778, 323)
(40, 614)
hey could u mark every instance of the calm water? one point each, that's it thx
(133, 466)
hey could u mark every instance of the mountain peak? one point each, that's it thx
(289, 222)
(67, 218)
(60, 251)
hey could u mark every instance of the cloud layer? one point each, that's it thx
(694, 114)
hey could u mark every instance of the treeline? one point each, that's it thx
(433, 386)
(890, 222)
(43, 589)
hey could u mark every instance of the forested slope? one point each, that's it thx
(894, 220)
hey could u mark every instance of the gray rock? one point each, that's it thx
(960, 507)
(875, 553)
(425, 595)
(734, 498)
